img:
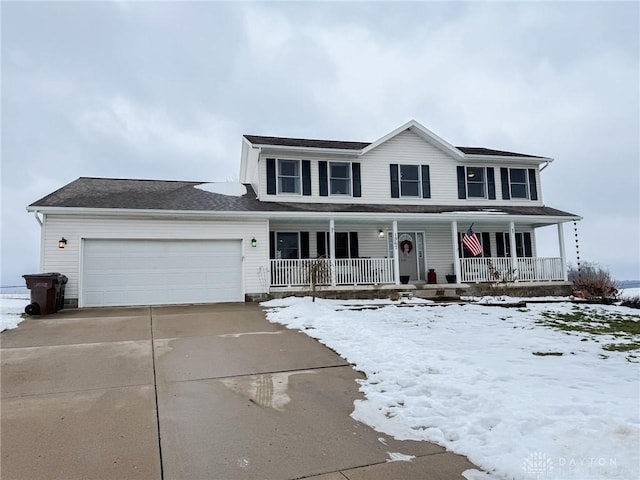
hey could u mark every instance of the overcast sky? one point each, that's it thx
(165, 91)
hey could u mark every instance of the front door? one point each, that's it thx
(407, 251)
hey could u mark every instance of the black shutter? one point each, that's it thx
(306, 177)
(353, 245)
(504, 178)
(491, 183)
(527, 244)
(324, 187)
(486, 244)
(304, 244)
(395, 185)
(321, 244)
(355, 171)
(272, 244)
(426, 183)
(500, 244)
(462, 185)
(533, 187)
(271, 176)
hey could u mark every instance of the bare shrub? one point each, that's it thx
(593, 282)
(632, 302)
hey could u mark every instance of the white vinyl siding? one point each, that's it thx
(406, 148)
(75, 228)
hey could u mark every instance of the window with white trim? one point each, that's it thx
(410, 181)
(339, 178)
(287, 245)
(289, 176)
(476, 182)
(519, 183)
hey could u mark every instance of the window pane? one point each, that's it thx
(475, 190)
(342, 245)
(409, 172)
(289, 168)
(339, 170)
(289, 185)
(287, 245)
(475, 174)
(518, 175)
(340, 187)
(409, 189)
(518, 191)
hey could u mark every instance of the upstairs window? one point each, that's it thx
(519, 183)
(476, 182)
(289, 176)
(340, 178)
(410, 181)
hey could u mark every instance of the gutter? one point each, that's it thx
(290, 215)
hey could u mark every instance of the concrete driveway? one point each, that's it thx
(189, 392)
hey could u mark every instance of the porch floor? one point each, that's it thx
(439, 291)
(444, 291)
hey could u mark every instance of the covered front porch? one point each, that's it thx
(357, 252)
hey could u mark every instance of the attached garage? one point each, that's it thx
(119, 272)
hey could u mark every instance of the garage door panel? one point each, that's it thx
(154, 272)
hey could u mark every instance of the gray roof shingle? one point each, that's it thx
(87, 192)
(356, 146)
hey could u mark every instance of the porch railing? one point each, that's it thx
(348, 271)
(499, 269)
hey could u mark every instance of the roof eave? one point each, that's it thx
(507, 159)
(267, 148)
(444, 216)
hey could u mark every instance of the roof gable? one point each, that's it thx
(422, 132)
(360, 148)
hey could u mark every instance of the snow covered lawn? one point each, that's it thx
(550, 390)
(11, 307)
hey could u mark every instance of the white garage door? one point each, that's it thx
(155, 272)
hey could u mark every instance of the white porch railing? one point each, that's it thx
(348, 271)
(498, 269)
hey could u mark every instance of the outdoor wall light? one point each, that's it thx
(254, 242)
(380, 233)
(62, 242)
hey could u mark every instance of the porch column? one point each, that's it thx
(332, 250)
(456, 254)
(563, 255)
(396, 259)
(514, 256)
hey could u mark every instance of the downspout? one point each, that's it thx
(546, 164)
(35, 214)
(42, 247)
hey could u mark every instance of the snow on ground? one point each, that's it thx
(11, 306)
(630, 292)
(519, 399)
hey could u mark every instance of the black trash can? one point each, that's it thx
(45, 293)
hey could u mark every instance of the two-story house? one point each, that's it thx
(343, 215)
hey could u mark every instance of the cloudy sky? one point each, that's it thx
(165, 90)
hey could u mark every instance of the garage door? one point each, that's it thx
(155, 272)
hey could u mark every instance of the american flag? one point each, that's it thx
(471, 243)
